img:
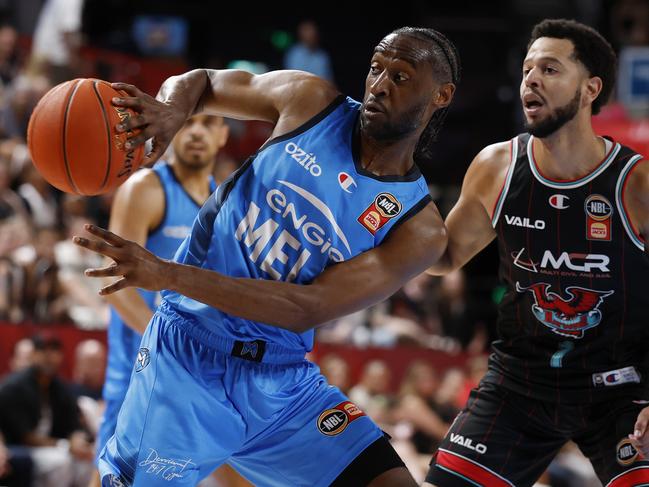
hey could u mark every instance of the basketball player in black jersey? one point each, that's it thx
(569, 210)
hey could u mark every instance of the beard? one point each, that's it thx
(557, 119)
(390, 130)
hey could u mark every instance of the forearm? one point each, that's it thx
(443, 266)
(185, 91)
(277, 303)
(131, 308)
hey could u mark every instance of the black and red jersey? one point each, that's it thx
(574, 323)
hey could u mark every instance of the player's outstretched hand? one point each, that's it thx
(640, 436)
(155, 119)
(133, 265)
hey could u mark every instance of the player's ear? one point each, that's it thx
(444, 95)
(224, 133)
(593, 88)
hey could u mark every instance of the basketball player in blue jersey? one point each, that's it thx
(155, 208)
(570, 212)
(328, 217)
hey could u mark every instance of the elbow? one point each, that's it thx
(308, 316)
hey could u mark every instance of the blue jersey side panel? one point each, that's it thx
(176, 224)
(301, 204)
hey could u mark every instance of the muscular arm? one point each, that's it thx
(469, 222)
(636, 200)
(138, 208)
(286, 99)
(341, 289)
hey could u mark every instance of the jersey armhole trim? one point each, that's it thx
(498, 206)
(633, 234)
(416, 208)
(318, 117)
(165, 197)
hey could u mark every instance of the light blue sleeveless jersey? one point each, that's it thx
(176, 224)
(300, 204)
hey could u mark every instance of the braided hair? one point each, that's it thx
(445, 61)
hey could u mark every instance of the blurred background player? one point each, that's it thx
(156, 208)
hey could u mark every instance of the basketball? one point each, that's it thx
(72, 139)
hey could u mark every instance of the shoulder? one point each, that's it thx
(308, 91)
(637, 183)
(145, 183)
(636, 194)
(487, 173)
(141, 194)
(493, 158)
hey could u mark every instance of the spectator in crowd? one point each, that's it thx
(38, 411)
(23, 355)
(15, 466)
(307, 55)
(57, 39)
(454, 308)
(416, 302)
(87, 382)
(418, 407)
(336, 370)
(40, 198)
(43, 297)
(89, 369)
(372, 393)
(20, 98)
(8, 58)
(86, 308)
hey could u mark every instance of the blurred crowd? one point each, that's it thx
(48, 424)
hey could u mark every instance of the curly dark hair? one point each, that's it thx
(445, 60)
(590, 49)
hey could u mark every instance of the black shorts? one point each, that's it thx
(504, 439)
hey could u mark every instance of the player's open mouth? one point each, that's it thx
(532, 103)
(373, 107)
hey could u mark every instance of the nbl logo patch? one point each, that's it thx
(598, 218)
(625, 453)
(334, 421)
(382, 210)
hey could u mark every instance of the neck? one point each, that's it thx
(387, 158)
(195, 181)
(571, 152)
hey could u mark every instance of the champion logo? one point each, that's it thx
(559, 201)
(346, 182)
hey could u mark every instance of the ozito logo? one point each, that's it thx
(143, 359)
(334, 421)
(569, 316)
(303, 158)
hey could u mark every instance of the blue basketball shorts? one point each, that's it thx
(197, 400)
(109, 419)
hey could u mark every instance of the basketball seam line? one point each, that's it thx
(110, 140)
(64, 132)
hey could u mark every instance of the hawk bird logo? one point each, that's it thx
(569, 316)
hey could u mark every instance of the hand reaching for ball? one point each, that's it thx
(155, 119)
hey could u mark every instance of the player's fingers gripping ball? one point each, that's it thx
(73, 141)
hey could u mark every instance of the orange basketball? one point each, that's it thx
(73, 142)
